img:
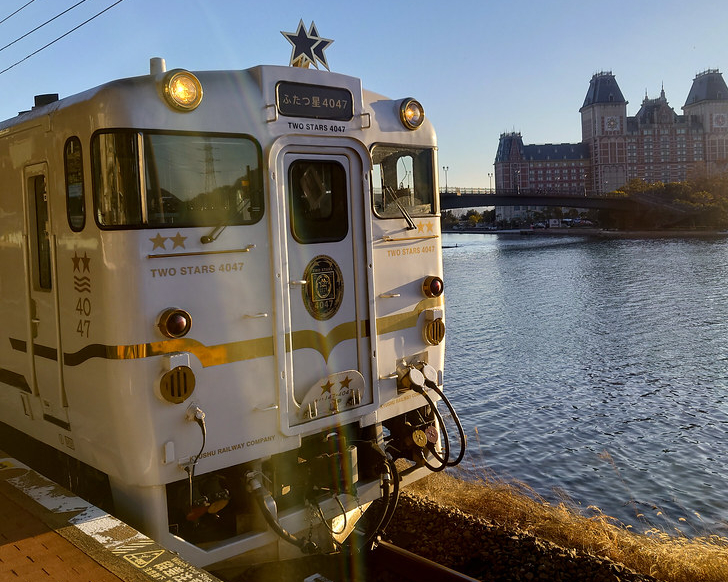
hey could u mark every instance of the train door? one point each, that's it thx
(321, 200)
(44, 345)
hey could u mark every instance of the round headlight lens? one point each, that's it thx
(182, 90)
(411, 113)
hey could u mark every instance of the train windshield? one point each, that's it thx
(402, 181)
(156, 180)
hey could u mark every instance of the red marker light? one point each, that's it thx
(433, 286)
(174, 322)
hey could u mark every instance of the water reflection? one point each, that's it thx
(598, 368)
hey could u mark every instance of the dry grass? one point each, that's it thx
(513, 504)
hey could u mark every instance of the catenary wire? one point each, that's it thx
(18, 10)
(60, 37)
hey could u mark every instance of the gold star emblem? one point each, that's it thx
(178, 240)
(421, 227)
(326, 387)
(159, 241)
(345, 382)
(429, 227)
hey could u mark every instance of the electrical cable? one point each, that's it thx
(322, 517)
(18, 10)
(42, 25)
(60, 37)
(200, 420)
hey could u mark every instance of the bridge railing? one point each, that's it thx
(454, 191)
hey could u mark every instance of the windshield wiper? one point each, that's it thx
(217, 231)
(410, 223)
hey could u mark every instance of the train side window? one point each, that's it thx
(318, 201)
(116, 178)
(41, 228)
(402, 178)
(75, 205)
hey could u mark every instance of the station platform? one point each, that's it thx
(47, 533)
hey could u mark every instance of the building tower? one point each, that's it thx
(707, 105)
(603, 127)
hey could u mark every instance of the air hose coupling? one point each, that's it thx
(412, 379)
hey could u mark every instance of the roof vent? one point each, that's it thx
(47, 99)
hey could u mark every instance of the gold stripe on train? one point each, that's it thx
(248, 349)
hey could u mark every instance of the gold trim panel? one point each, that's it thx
(217, 355)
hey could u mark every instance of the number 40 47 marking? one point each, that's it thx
(83, 308)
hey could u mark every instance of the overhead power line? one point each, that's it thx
(62, 36)
(18, 10)
(42, 25)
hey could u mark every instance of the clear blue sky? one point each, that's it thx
(479, 67)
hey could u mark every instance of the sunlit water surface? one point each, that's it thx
(595, 369)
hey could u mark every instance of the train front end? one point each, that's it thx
(245, 272)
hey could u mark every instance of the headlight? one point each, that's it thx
(411, 113)
(182, 90)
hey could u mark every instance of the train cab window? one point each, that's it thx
(75, 205)
(402, 181)
(318, 201)
(146, 179)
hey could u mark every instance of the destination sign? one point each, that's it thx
(314, 101)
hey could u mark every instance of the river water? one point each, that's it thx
(596, 371)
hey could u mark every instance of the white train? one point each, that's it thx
(222, 308)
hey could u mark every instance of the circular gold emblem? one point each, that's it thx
(324, 288)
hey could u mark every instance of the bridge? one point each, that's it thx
(482, 197)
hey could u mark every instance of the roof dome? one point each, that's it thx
(603, 88)
(707, 86)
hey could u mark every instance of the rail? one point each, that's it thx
(408, 566)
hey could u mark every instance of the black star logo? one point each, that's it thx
(76, 262)
(86, 260)
(319, 48)
(308, 48)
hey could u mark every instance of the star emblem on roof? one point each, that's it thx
(308, 47)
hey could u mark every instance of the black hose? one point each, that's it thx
(306, 546)
(200, 420)
(386, 500)
(446, 441)
(461, 431)
(392, 505)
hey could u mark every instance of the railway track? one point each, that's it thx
(385, 563)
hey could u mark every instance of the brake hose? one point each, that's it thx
(446, 441)
(461, 432)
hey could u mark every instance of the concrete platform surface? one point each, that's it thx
(47, 533)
